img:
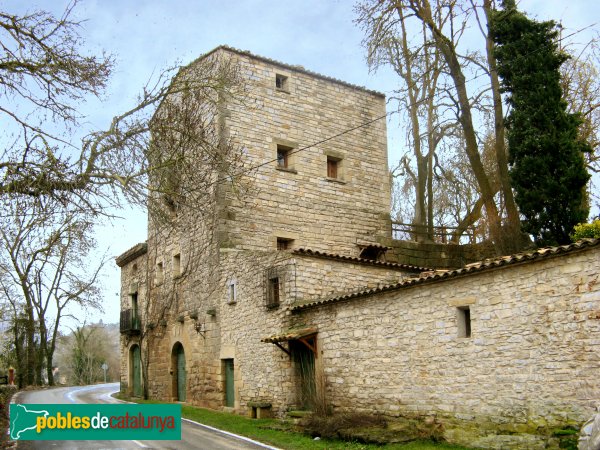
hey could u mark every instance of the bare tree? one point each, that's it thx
(581, 88)
(195, 163)
(172, 161)
(419, 66)
(44, 76)
(45, 256)
(14, 350)
(85, 350)
(439, 27)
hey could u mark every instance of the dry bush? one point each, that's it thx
(332, 426)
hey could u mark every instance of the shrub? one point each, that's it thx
(329, 427)
(586, 230)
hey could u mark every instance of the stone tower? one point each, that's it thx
(201, 303)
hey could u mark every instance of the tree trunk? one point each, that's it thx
(473, 216)
(419, 219)
(21, 366)
(448, 51)
(31, 351)
(513, 231)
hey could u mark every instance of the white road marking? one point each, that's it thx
(237, 436)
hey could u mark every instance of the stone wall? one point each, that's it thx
(235, 326)
(435, 255)
(235, 239)
(318, 277)
(301, 202)
(134, 273)
(530, 365)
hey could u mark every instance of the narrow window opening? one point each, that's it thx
(464, 322)
(281, 82)
(176, 265)
(134, 312)
(134, 305)
(232, 293)
(159, 273)
(273, 298)
(332, 167)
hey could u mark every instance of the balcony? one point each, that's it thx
(130, 322)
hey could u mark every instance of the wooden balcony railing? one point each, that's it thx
(440, 235)
(130, 322)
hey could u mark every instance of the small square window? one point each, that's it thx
(332, 167)
(281, 82)
(464, 322)
(283, 156)
(284, 244)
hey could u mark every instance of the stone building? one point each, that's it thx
(295, 303)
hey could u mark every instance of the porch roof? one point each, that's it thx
(290, 335)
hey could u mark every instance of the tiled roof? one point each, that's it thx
(131, 254)
(355, 260)
(290, 335)
(290, 67)
(487, 264)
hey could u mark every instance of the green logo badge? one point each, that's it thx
(95, 422)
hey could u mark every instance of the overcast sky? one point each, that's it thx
(148, 35)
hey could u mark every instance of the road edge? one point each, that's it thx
(227, 433)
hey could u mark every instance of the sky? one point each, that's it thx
(146, 36)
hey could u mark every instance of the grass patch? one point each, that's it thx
(284, 434)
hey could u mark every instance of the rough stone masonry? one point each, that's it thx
(292, 299)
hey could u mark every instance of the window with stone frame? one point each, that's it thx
(464, 321)
(332, 167)
(281, 82)
(177, 265)
(231, 292)
(284, 154)
(274, 285)
(284, 243)
(160, 274)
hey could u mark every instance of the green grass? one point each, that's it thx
(280, 434)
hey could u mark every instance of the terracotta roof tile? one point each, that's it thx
(487, 264)
(290, 335)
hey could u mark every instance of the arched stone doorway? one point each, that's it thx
(178, 377)
(135, 371)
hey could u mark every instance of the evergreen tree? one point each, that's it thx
(546, 157)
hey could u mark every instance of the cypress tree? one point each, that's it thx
(546, 157)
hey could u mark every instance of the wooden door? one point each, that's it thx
(304, 360)
(229, 384)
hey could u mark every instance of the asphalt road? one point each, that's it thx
(193, 435)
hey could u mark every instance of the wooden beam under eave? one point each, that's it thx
(283, 348)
